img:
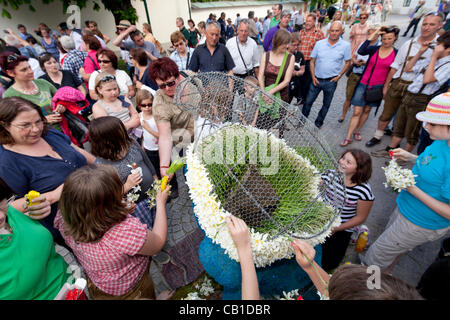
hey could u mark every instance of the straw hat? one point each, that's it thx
(124, 24)
(438, 110)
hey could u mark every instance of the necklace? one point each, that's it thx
(30, 91)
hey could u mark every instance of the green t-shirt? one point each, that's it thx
(43, 98)
(274, 22)
(30, 268)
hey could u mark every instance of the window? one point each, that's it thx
(406, 3)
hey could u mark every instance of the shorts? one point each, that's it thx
(358, 96)
(352, 82)
(400, 236)
(406, 125)
(393, 98)
(321, 20)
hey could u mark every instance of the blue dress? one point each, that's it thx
(23, 173)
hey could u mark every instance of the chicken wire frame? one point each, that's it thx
(220, 100)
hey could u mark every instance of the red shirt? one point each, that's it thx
(308, 41)
(112, 263)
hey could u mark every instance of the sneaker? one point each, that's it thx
(372, 142)
(383, 153)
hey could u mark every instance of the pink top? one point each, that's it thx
(381, 69)
(88, 65)
(358, 34)
(112, 263)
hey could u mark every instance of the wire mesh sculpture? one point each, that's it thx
(261, 161)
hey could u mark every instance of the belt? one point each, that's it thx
(326, 79)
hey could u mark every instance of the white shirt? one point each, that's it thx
(34, 65)
(204, 127)
(122, 78)
(77, 38)
(150, 141)
(249, 51)
(401, 56)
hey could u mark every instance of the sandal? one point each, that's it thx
(346, 142)
(357, 136)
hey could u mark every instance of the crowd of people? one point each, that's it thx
(77, 118)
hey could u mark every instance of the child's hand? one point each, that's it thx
(239, 232)
(161, 196)
(303, 249)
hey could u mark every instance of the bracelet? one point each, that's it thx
(167, 167)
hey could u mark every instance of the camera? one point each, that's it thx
(297, 66)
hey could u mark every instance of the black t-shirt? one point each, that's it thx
(300, 59)
(68, 80)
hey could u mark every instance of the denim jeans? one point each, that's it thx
(328, 88)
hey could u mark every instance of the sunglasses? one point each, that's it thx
(148, 105)
(107, 78)
(168, 84)
(12, 57)
(104, 61)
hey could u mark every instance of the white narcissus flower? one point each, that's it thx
(211, 215)
(397, 177)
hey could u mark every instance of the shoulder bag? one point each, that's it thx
(373, 94)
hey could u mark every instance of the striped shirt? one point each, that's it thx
(335, 192)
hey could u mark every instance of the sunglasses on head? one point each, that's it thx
(168, 84)
(107, 78)
(12, 57)
(146, 105)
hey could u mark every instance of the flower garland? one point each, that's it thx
(397, 177)
(211, 215)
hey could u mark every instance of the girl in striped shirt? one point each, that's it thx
(356, 165)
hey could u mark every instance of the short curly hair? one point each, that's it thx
(162, 69)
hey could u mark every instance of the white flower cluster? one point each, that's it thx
(205, 289)
(291, 295)
(397, 177)
(133, 194)
(211, 215)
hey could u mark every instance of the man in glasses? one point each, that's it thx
(212, 55)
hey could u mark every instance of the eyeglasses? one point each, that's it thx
(107, 78)
(168, 84)
(29, 126)
(148, 105)
(104, 61)
(8, 202)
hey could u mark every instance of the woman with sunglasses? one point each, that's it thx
(108, 63)
(111, 103)
(35, 157)
(38, 91)
(182, 53)
(423, 210)
(27, 246)
(358, 33)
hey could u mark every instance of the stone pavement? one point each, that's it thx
(410, 267)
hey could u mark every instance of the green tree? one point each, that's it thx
(121, 9)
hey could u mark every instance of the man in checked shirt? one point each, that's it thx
(309, 35)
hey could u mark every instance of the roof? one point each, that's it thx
(223, 4)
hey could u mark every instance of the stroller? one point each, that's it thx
(74, 120)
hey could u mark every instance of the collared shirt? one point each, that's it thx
(308, 41)
(267, 44)
(329, 57)
(249, 51)
(77, 38)
(401, 59)
(74, 61)
(441, 73)
(274, 22)
(182, 63)
(203, 61)
(298, 19)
